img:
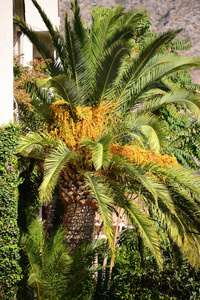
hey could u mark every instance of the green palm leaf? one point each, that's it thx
(100, 151)
(53, 66)
(184, 98)
(146, 229)
(158, 67)
(77, 61)
(54, 163)
(146, 126)
(106, 71)
(70, 49)
(133, 173)
(66, 88)
(99, 30)
(56, 37)
(41, 100)
(182, 176)
(179, 234)
(105, 202)
(35, 141)
(138, 64)
(79, 28)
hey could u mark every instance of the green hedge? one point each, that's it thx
(10, 271)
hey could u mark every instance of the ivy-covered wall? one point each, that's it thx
(10, 271)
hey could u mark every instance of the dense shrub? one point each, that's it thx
(130, 280)
(10, 271)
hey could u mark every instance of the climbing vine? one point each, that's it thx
(10, 270)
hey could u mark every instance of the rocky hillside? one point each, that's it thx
(165, 15)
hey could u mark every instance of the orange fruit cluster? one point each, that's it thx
(90, 122)
(141, 156)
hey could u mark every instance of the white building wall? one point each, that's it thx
(27, 49)
(33, 17)
(34, 20)
(6, 61)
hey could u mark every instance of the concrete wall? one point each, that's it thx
(6, 61)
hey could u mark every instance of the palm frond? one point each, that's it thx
(53, 66)
(180, 234)
(146, 126)
(35, 141)
(146, 228)
(69, 48)
(182, 176)
(41, 99)
(134, 173)
(100, 151)
(157, 68)
(76, 60)
(56, 37)
(105, 202)
(106, 71)
(54, 163)
(34, 242)
(101, 25)
(66, 88)
(184, 98)
(78, 26)
(138, 64)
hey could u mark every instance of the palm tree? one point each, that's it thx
(103, 140)
(53, 273)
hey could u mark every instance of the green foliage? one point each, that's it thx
(98, 66)
(133, 280)
(53, 273)
(182, 136)
(181, 127)
(10, 270)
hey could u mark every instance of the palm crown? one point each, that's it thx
(102, 131)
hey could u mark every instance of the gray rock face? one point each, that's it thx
(165, 15)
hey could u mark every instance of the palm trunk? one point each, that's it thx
(80, 209)
(79, 223)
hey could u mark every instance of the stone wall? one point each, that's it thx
(165, 15)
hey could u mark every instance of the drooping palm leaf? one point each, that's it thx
(54, 163)
(146, 126)
(146, 229)
(100, 151)
(41, 100)
(182, 176)
(184, 98)
(145, 84)
(35, 141)
(105, 203)
(53, 66)
(180, 235)
(56, 37)
(134, 173)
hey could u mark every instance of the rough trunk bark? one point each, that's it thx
(79, 206)
(79, 223)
